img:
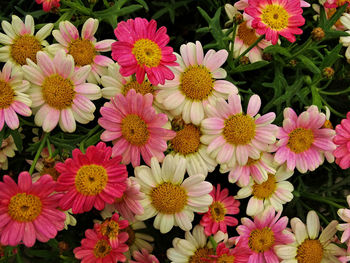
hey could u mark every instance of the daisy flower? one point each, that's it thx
(143, 257)
(169, 197)
(217, 218)
(20, 42)
(335, 3)
(141, 48)
(275, 192)
(91, 179)
(257, 169)
(195, 83)
(84, 49)
(7, 149)
(48, 4)
(242, 4)
(13, 97)
(344, 214)
(96, 248)
(135, 128)
(225, 255)
(233, 136)
(342, 140)
(263, 234)
(274, 18)
(309, 246)
(28, 211)
(302, 140)
(59, 92)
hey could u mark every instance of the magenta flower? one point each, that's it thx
(342, 139)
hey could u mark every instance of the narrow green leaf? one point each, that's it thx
(273, 49)
(17, 139)
(250, 67)
(144, 4)
(336, 16)
(331, 57)
(316, 98)
(309, 64)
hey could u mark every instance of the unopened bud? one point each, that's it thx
(63, 246)
(328, 72)
(267, 56)
(244, 60)
(177, 123)
(237, 19)
(317, 34)
(292, 63)
(327, 124)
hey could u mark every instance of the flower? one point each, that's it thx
(195, 84)
(84, 50)
(13, 97)
(242, 4)
(135, 128)
(143, 257)
(225, 255)
(302, 140)
(169, 197)
(274, 18)
(275, 192)
(142, 49)
(20, 42)
(7, 149)
(96, 248)
(309, 246)
(344, 214)
(91, 179)
(335, 3)
(233, 136)
(59, 92)
(262, 235)
(48, 4)
(342, 140)
(329, 12)
(217, 216)
(28, 211)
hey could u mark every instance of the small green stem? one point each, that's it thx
(49, 146)
(324, 219)
(249, 48)
(334, 93)
(303, 48)
(233, 40)
(37, 155)
(320, 199)
(213, 242)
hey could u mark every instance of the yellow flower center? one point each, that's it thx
(225, 259)
(134, 130)
(102, 248)
(197, 82)
(218, 211)
(131, 234)
(187, 140)
(327, 124)
(239, 129)
(246, 34)
(261, 240)
(275, 17)
(310, 251)
(147, 53)
(143, 88)
(110, 228)
(91, 179)
(24, 207)
(7, 95)
(168, 198)
(58, 92)
(24, 47)
(265, 189)
(200, 254)
(83, 51)
(300, 140)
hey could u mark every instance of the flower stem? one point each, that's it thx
(303, 48)
(321, 199)
(249, 48)
(213, 242)
(37, 155)
(49, 146)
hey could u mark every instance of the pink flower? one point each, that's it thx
(342, 139)
(143, 257)
(344, 214)
(335, 3)
(276, 17)
(48, 4)
(91, 179)
(142, 49)
(96, 248)
(303, 141)
(28, 211)
(224, 254)
(216, 218)
(263, 234)
(135, 128)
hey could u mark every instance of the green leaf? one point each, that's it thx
(78, 7)
(250, 67)
(276, 49)
(336, 16)
(323, 18)
(309, 64)
(144, 4)
(331, 34)
(316, 98)
(17, 139)
(331, 57)
(2, 135)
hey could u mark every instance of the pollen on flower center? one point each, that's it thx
(327, 124)
(6, 95)
(83, 51)
(217, 211)
(265, 189)
(91, 179)
(147, 53)
(142, 88)
(239, 129)
(134, 130)
(246, 34)
(186, 140)
(261, 240)
(300, 140)
(225, 259)
(102, 248)
(110, 228)
(24, 207)
(58, 92)
(310, 251)
(275, 16)
(23, 47)
(168, 198)
(200, 254)
(197, 82)
(131, 234)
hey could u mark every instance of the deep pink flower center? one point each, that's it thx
(24, 207)
(6, 95)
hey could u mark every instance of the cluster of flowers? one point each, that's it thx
(161, 101)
